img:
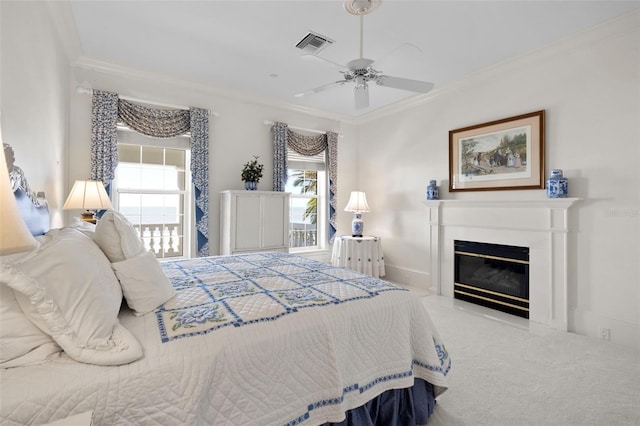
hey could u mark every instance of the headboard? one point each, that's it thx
(33, 207)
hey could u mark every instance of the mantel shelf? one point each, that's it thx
(553, 203)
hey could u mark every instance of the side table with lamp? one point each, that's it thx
(358, 252)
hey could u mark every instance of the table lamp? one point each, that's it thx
(358, 205)
(14, 234)
(88, 195)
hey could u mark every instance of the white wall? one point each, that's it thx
(34, 97)
(589, 86)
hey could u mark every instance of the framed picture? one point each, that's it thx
(505, 154)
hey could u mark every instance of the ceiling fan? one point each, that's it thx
(360, 71)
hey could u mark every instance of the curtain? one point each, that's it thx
(279, 156)
(158, 123)
(332, 157)
(199, 124)
(285, 138)
(104, 138)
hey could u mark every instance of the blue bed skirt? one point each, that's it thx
(397, 407)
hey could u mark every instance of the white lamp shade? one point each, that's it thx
(357, 203)
(87, 195)
(14, 234)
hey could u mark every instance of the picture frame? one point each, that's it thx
(506, 154)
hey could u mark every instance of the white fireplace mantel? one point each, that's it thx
(540, 225)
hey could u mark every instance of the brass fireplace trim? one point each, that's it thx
(492, 300)
(495, 293)
(486, 256)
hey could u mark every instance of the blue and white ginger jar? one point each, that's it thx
(432, 190)
(557, 185)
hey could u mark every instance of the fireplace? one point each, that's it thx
(492, 275)
(542, 225)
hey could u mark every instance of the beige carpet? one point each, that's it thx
(505, 374)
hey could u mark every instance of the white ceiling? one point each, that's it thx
(249, 46)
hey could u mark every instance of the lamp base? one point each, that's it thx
(357, 225)
(88, 216)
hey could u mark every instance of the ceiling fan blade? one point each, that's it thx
(404, 83)
(321, 88)
(362, 96)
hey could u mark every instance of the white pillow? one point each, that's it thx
(87, 228)
(117, 238)
(144, 284)
(70, 292)
(21, 342)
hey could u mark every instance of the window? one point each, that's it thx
(307, 183)
(151, 190)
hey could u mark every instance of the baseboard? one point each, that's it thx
(625, 333)
(411, 278)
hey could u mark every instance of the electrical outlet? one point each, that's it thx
(605, 333)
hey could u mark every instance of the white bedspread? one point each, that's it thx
(305, 367)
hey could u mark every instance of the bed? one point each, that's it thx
(254, 339)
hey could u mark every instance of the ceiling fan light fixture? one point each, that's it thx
(361, 7)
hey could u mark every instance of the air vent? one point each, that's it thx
(314, 43)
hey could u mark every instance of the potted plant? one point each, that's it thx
(251, 174)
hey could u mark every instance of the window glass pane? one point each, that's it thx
(303, 222)
(310, 182)
(152, 177)
(160, 208)
(152, 155)
(175, 157)
(170, 178)
(295, 181)
(128, 153)
(180, 180)
(129, 176)
(129, 205)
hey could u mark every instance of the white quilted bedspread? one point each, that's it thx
(260, 339)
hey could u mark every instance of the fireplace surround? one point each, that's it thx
(542, 226)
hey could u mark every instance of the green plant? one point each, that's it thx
(252, 171)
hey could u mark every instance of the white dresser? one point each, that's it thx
(254, 221)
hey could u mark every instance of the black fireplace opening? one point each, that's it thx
(492, 275)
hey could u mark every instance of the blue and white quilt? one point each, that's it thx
(306, 341)
(215, 292)
(253, 340)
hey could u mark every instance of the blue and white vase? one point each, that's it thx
(557, 185)
(250, 186)
(357, 225)
(432, 190)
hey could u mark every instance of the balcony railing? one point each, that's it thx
(303, 237)
(164, 240)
